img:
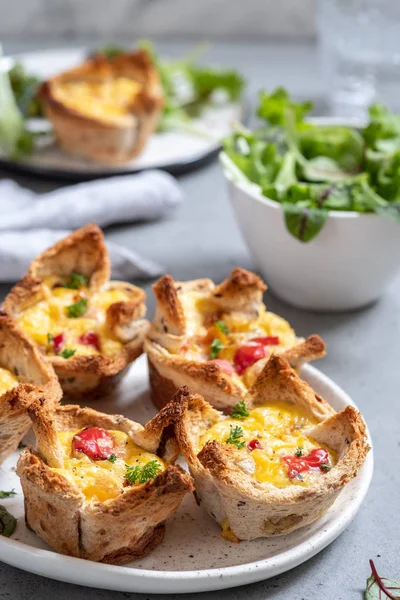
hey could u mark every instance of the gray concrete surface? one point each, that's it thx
(202, 239)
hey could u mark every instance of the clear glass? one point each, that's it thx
(359, 43)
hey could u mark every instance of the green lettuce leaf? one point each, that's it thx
(344, 145)
(302, 222)
(275, 107)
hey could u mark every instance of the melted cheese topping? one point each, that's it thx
(101, 480)
(281, 429)
(105, 100)
(7, 381)
(201, 315)
(49, 316)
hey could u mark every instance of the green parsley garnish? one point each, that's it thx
(67, 353)
(77, 309)
(7, 494)
(222, 327)
(142, 474)
(50, 338)
(112, 458)
(216, 347)
(235, 433)
(299, 451)
(76, 281)
(239, 411)
(325, 467)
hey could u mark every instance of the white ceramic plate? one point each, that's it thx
(172, 151)
(193, 557)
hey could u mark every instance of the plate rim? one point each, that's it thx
(129, 579)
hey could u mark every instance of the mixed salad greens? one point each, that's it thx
(313, 169)
(188, 89)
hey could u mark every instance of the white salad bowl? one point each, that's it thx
(346, 266)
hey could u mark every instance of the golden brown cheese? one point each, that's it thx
(104, 100)
(281, 430)
(101, 480)
(49, 317)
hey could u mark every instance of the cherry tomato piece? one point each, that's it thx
(95, 442)
(247, 355)
(58, 342)
(296, 465)
(224, 365)
(269, 340)
(317, 457)
(90, 338)
(254, 445)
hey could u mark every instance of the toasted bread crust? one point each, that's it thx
(116, 530)
(84, 250)
(255, 509)
(93, 137)
(37, 380)
(170, 370)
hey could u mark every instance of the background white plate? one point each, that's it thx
(172, 151)
(193, 557)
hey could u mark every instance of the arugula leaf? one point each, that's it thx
(239, 411)
(137, 474)
(275, 107)
(381, 588)
(8, 523)
(7, 494)
(235, 433)
(304, 223)
(78, 309)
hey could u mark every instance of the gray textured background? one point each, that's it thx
(205, 19)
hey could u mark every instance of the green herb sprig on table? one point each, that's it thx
(9, 494)
(312, 169)
(235, 433)
(137, 474)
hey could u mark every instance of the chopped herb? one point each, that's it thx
(216, 347)
(50, 338)
(222, 327)
(77, 309)
(112, 458)
(235, 433)
(76, 281)
(325, 467)
(239, 411)
(142, 474)
(299, 451)
(8, 523)
(67, 353)
(7, 494)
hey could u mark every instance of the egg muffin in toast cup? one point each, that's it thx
(90, 328)
(24, 376)
(106, 108)
(99, 486)
(278, 462)
(216, 339)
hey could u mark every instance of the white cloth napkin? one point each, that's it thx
(50, 217)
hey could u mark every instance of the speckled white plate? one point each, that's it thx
(193, 557)
(173, 151)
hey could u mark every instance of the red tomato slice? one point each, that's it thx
(296, 465)
(254, 445)
(90, 338)
(95, 442)
(224, 365)
(317, 457)
(269, 340)
(58, 342)
(247, 355)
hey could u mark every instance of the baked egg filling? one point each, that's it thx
(71, 319)
(234, 340)
(274, 444)
(7, 381)
(102, 463)
(107, 100)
